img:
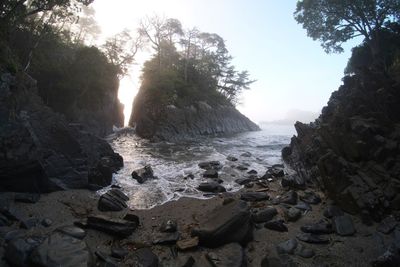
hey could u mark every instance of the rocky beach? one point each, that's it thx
(273, 221)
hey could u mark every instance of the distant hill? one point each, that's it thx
(292, 116)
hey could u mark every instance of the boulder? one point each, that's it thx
(61, 250)
(312, 238)
(119, 228)
(113, 200)
(254, 196)
(293, 181)
(225, 224)
(276, 225)
(142, 257)
(264, 215)
(230, 255)
(212, 187)
(287, 247)
(319, 228)
(19, 250)
(210, 174)
(27, 197)
(143, 174)
(343, 225)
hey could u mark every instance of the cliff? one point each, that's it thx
(169, 122)
(40, 151)
(352, 150)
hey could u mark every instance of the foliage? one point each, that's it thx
(362, 59)
(46, 40)
(189, 65)
(334, 22)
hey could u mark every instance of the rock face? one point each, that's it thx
(226, 224)
(352, 150)
(40, 151)
(172, 123)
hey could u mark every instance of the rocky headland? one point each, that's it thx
(352, 150)
(169, 122)
(40, 151)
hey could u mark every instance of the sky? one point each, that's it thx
(294, 75)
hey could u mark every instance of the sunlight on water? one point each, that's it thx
(173, 162)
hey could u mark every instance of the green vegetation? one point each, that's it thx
(49, 40)
(188, 66)
(333, 22)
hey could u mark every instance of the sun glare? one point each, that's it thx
(128, 88)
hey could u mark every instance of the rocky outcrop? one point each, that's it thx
(40, 151)
(173, 123)
(352, 150)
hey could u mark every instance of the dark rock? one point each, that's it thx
(72, 231)
(243, 181)
(11, 214)
(4, 221)
(105, 260)
(231, 158)
(304, 252)
(252, 172)
(210, 174)
(277, 225)
(143, 174)
(120, 228)
(264, 215)
(343, 225)
(230, 255)
(13, 234)
(293, 181)
(30, 223)
(132, 218)
(61, 250)
(44, 152)
(47, 222)
(242, 168)
(293, 214)
(332, 211)
(118, 252)
(27, 197)
(211, 187)
(318, 228)
(289, 198)
(390, 258)
(210, 165)
(165, 238)
(187, 244)
(246, 154)
(19, 250)
(275, 171)
(113, 200)
(181, 261)
(254, 196)
(303, 206)
(101, 174)
(311, 198)
(387, 225)
(143, 257)
(272, 262)
(169, 226)
(226, 224)
(287, 247)
(312, 238)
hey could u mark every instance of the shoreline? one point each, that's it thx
(66, 208)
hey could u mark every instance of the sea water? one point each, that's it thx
(172, 163)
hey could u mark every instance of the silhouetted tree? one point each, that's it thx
(334, 22)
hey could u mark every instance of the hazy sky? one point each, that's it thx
(292, 71)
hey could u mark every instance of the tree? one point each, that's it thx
(157, 30)
(333, 22)
(121, 50)
(13, 12)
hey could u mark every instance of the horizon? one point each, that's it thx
(292, 71)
